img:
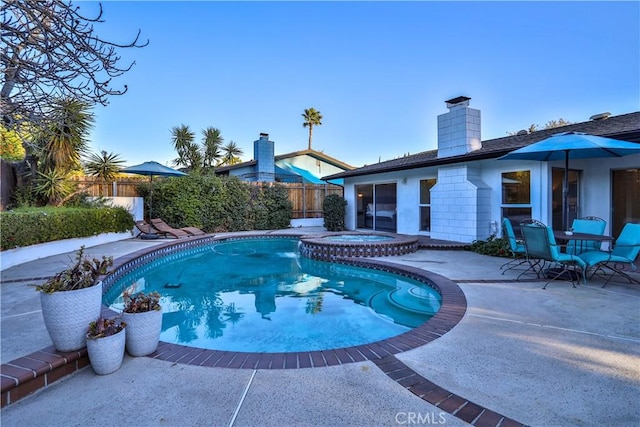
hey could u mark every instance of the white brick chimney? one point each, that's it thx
(459, 129)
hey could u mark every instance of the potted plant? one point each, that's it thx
(143, 314)
(71, 299)
(105, 344)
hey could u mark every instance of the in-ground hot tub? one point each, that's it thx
(328, 247)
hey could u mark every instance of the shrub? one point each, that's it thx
(492, 246)
(334, 209)
(217, 204)
(29, 226)
(278, 205)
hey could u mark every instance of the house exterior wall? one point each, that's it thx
(242, 171)
(315, 166)
(466, 202)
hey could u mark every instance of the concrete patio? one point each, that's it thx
(557, 357)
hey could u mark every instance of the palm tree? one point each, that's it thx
(231, 154)
(193, 157)
(312, 118)
(104, 167)
(211, 141)
(182, 139)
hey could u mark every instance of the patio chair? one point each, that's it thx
(535, 265)
(517, 249)
(541, 245)
(589, 225)
(179, 233)
(624, 252)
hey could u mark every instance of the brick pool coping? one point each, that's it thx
(23, 376)
(322, 247)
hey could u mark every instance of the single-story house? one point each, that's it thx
(307, 166)
(461, 192)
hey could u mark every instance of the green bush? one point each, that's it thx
(492, 246)
(218, 204)
(279, 207)
(334, 209)
(29, 226)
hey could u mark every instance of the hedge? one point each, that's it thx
(30, 226)
(218, 204)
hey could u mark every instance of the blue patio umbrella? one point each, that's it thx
(572, 145)
(152, 169)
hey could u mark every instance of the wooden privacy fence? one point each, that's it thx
(121, 187)
(306, 199)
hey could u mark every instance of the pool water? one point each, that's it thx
(259, 295)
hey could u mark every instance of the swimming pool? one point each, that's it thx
(259, 295)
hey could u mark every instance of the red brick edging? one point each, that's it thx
(25, 375)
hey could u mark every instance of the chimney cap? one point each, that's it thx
(264, 134)
(601, 116)
(457, 100)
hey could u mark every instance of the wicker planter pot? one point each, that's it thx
(106, 354)
(68, 313)
(143, 332)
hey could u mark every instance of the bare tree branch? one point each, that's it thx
(50, 50)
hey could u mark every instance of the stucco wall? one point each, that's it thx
(482, 188)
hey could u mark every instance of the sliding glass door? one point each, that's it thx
(376, 207)
(625, 188)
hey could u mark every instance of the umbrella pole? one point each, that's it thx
(150, 198)
(565, 192)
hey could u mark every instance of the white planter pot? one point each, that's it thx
(143, 332)
(67, 315)
(106, 354)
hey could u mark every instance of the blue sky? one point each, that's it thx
(379, 72)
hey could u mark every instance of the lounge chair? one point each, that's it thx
(164, 228)
(144, 227)
(149, 231)
(194, 231)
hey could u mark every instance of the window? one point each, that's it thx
(425, 203)
(516, 198)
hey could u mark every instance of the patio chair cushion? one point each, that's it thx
(592, 258)
(589, 226)
(625, 249)
(515, 246)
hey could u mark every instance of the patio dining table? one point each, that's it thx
(562, 236)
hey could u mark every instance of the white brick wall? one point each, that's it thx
(459, 131)
(460, 205)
